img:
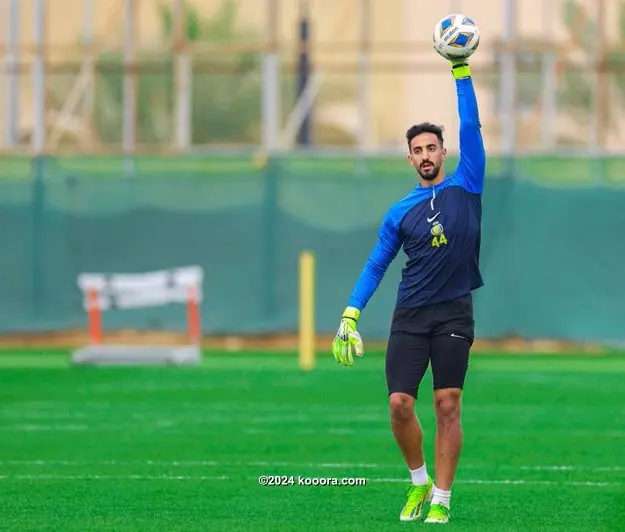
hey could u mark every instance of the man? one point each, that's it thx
(438, 225)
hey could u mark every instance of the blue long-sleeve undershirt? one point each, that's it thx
(469, 174)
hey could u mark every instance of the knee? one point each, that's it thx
(447, 409)
(401, 406)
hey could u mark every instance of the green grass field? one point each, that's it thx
(182, 448)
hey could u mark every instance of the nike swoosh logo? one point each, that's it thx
(430, 220)
(454, 335)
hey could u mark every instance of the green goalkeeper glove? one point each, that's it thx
(348, 341)
(460, 68)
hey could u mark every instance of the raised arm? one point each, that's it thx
(472, 165)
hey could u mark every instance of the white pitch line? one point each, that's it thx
(192, 463)
(255, 480)
(295, 465)
(518, 482)
(110, 477)
(572, 468)
(366, 425)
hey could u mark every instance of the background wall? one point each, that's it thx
(144, 135)
(551, 257)
(548, 72)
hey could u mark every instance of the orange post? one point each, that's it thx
(193, 316)
(95, 317)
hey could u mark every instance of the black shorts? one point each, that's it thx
(442, 333)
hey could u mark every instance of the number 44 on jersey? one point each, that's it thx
(438, 235)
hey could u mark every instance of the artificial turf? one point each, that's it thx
(183, 448)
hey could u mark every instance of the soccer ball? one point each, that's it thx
(456, 37)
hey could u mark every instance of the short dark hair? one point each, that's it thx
(425, 127)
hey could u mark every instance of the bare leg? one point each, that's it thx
(448, 441)
(407, 429)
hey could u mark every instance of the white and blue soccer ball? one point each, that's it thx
(456, 37)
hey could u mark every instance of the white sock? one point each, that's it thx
(440, 496)
(419, 476)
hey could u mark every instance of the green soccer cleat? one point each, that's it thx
(438, 514)
(417, 496)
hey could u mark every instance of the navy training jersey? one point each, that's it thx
(439, 227)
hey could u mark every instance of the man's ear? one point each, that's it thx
(444, 152)
(409, 159)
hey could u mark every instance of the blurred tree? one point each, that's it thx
(575, 81)
(226, 88)
(577, 85)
